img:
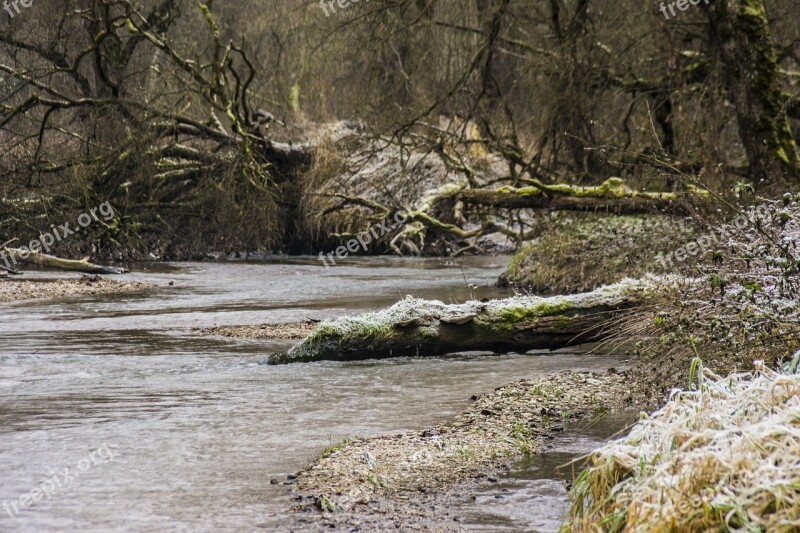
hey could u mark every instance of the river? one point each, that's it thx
(164, 429)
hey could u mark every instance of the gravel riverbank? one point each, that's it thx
(15, 290)
(288, 331)
(405, 481)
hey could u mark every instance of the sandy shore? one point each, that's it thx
(15, 290)
(405, 481)
(291, 331)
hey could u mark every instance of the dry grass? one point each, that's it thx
(578, 252)
(329, 164)
(725, 455)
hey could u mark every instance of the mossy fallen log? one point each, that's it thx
(611, 196)
(40, 259)
(414, 327)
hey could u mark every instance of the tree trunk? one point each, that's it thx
(414, 327)
(741, 38)
(456, 48)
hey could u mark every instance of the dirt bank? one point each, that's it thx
(405, 481)
(578, 252)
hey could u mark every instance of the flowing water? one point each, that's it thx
(533, 496)
(116, 416)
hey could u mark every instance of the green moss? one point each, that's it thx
(350, 329)
(367, 330)
(782, 155)
(521, 313)
(428, 332)
(522, 438)
(613, 187)
(327, 505)
(501, 320)
(763, 78)
(294, 97)
(524, 192)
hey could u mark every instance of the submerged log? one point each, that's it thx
(414, 327)
(40, 259)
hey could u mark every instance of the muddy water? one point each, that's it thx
(161, 429)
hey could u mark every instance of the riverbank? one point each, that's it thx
(288, 331)
(17, 290)
(406, 481)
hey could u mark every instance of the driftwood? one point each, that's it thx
(40, 259)
(414, 327)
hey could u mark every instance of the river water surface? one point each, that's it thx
(193, 429)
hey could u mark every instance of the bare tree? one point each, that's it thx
(113, 94)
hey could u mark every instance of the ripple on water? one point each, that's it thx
(198, 425)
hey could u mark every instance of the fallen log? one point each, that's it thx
(611, 196)
(37, 258)
(414, 327)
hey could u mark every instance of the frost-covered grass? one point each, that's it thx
(723, 456)
(743, 303)
(577, 252)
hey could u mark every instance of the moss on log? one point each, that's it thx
(612, 196)
(414, 327)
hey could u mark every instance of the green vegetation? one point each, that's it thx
(333, 448)
(522, 438)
